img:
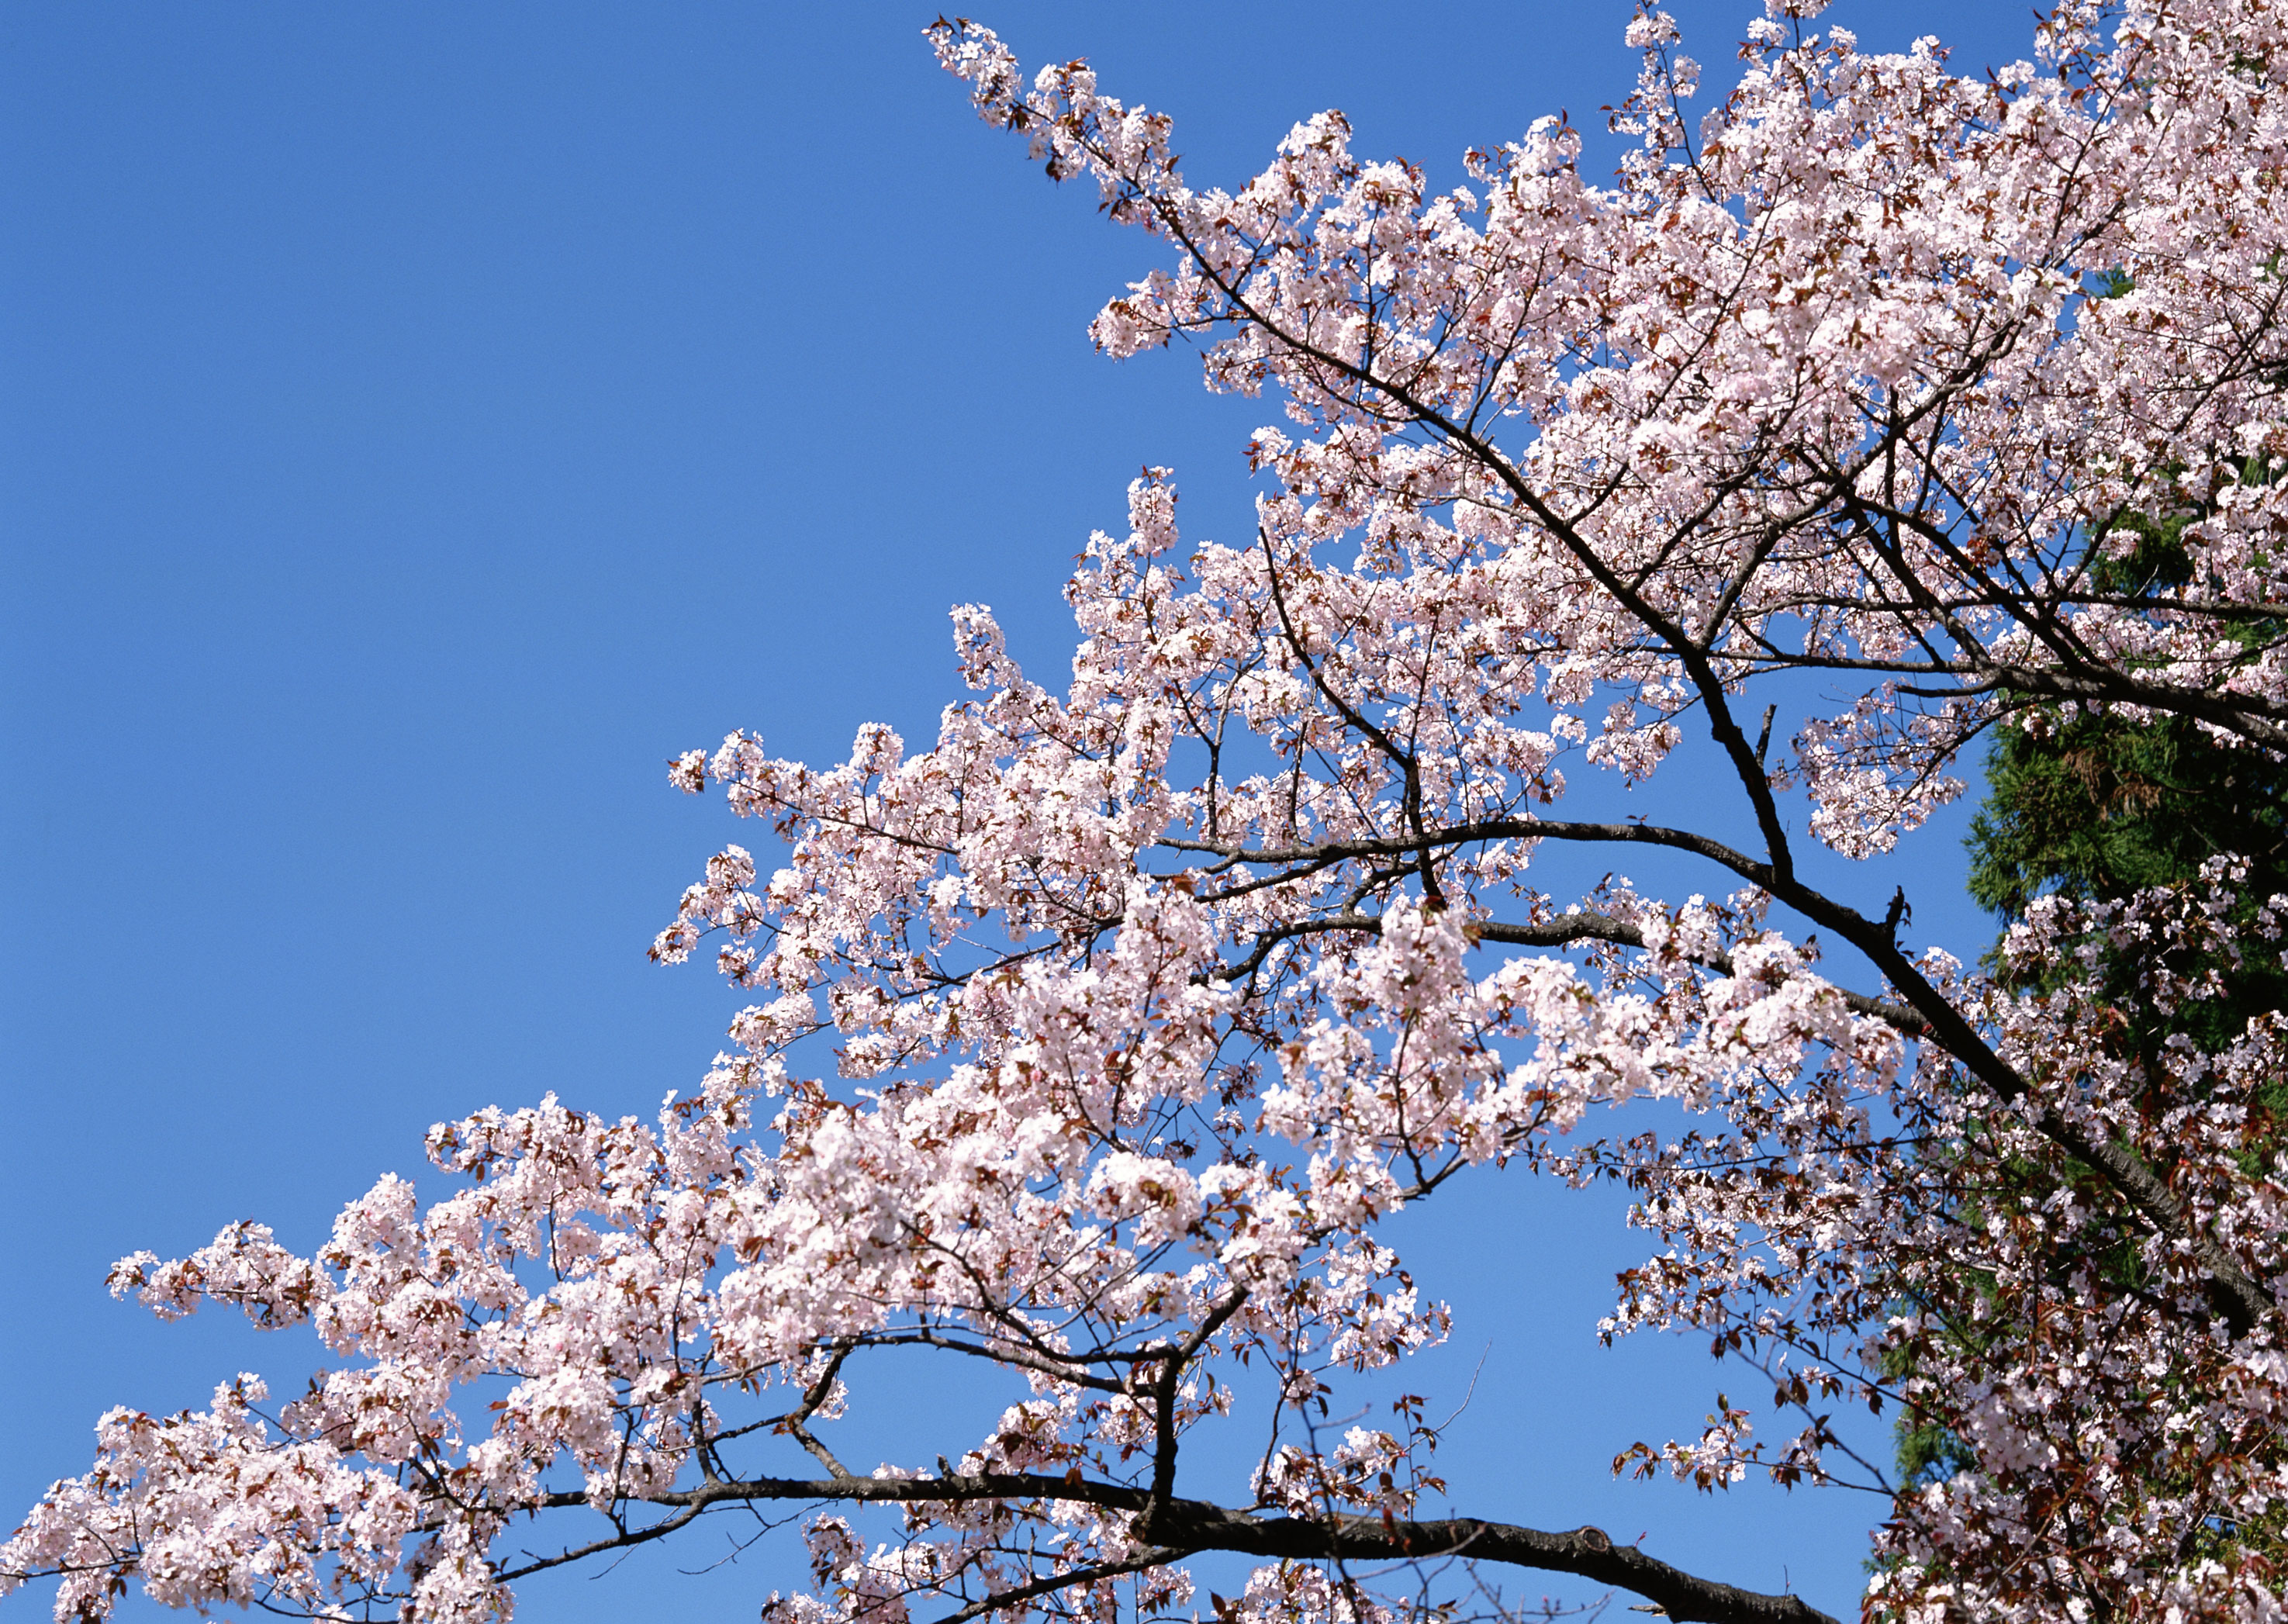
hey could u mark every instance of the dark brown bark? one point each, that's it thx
(1183, 1527)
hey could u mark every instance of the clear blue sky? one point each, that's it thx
(418, 422)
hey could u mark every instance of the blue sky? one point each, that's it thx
(416, 422)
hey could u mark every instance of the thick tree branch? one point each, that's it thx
(2241, 1299)
(1186, 1527)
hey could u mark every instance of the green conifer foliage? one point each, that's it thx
(2097, 805)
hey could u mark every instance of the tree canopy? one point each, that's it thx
(1151, 994)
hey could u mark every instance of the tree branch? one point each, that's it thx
(1050, 1584)
(1564, 930)
(1186, 1527)
(2238, 1296)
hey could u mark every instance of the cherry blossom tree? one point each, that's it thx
(1150, 998)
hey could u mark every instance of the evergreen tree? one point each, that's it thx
(2096, 806)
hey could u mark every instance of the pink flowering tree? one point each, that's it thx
(1150, 996)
